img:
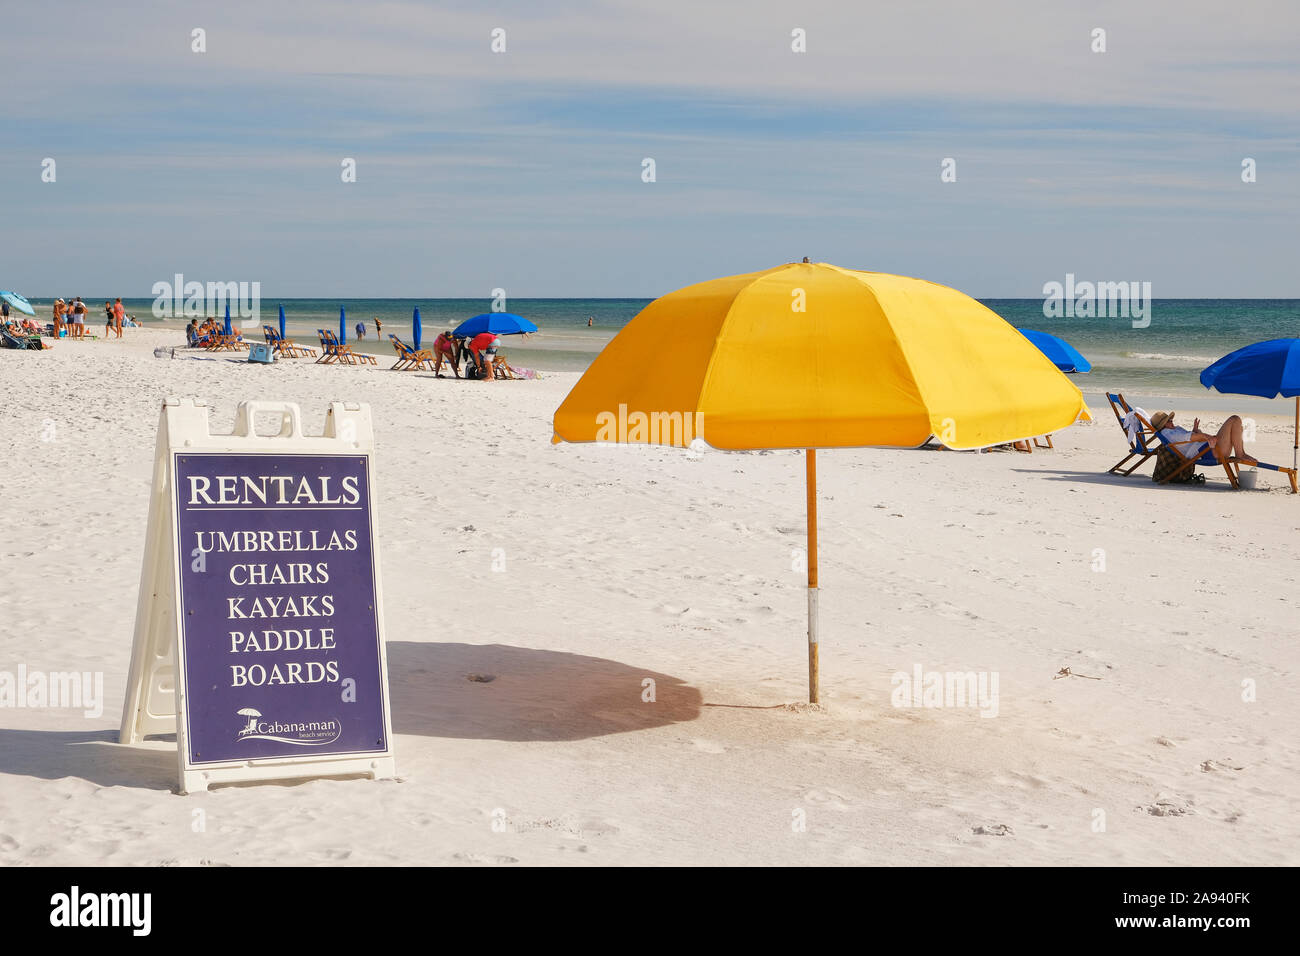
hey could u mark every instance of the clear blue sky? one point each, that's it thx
(522, 170)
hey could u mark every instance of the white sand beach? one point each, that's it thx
(522, 736)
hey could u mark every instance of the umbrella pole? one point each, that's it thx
(1295, 447)
(814, 689)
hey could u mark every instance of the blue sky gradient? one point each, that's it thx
(522, 170)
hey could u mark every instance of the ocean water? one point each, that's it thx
(1164, 358)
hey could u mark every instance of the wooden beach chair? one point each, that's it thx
(331, 352)
(344, 353)
(409, 358)
(501, 368)
(220, 342)
(327, 354)
(1142, 446)
(283, 346)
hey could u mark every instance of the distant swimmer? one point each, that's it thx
(590, 320)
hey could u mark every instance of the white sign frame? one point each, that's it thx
(155, 692)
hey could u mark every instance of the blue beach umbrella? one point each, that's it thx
(18, 302)
(343, 326)
(281, 321)
(228, 329)
(415, 327)
(1267, 369)
(499, 323)
(1063, 355)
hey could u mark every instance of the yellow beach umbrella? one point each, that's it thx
(809, 355)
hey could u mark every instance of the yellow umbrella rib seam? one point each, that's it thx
(902, 349)
(717, 338)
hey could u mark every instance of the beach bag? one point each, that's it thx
(1168, 462)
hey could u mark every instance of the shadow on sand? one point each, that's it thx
(92, 755)
(470, 691)
(1137, 479)
(500, 692)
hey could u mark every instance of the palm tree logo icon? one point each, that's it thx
(252, 715)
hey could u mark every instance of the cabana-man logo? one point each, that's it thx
(313, 733)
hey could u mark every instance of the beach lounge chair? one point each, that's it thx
(331, 352)
(285, 347)
(1176, 469)
(409, 358)
(1139, 433)
(224, 343)
(343, 353)
(501, 368)
(327, 354)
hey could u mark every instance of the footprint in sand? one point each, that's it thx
(993, 829)
(483, 858)
(832, 799)
(708, 746)
(1167, 806)
(1210, 766)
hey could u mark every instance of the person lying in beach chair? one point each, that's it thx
(409, 358)
(1142, 443)
(1192, 447)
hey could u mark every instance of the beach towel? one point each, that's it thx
(1131, 424)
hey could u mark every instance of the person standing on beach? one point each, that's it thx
(58, 318)
(79, 317)
(444, 347)
(118, 312)
(379, 328)
(361, 331)
(108, 318)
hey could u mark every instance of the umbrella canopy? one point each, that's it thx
(416, 331)
(281, 321)
(809, 355)
(343, 326)
(1063, 355)
(1267, 369)
(18, 302)
(499, 323)
(229, 331)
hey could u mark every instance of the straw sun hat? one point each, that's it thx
(1160, 419)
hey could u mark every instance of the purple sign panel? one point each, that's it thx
(279, 629)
